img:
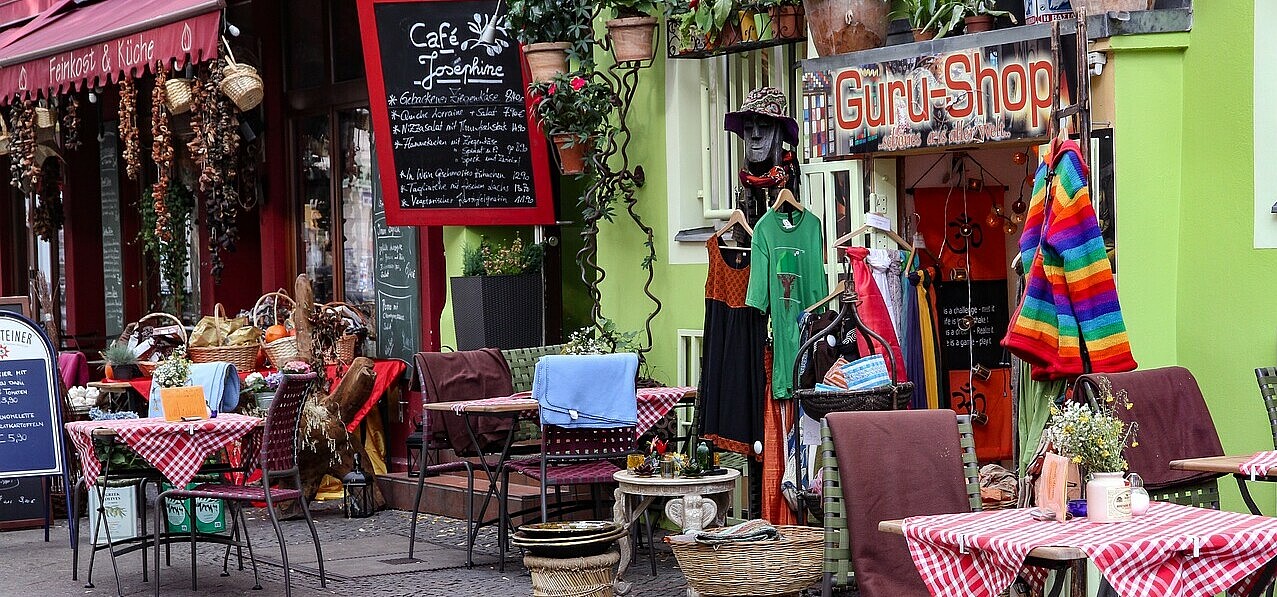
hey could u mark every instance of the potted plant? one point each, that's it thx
(572, 111)
(980, 15)
(633, 31)
(261, 388)
(552, 31)
(497, 301)
(121, 363)
(707, 19)
(919, 13)
(787, 19)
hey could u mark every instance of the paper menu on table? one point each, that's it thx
(1053, 485)
(184, 403)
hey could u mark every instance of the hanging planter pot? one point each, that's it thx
(788, 21)
(978, 23)
(840, 26)
(571, 155)
(748, 26)
(729, 35)
(547, 60)
(633, 38)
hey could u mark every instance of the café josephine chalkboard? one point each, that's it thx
(456, 143)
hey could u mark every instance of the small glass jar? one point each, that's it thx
(667, 467)
(1139, 495)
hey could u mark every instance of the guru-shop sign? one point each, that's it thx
(963, 97)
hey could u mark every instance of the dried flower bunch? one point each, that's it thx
(161, 154)
(215, 149)
(71, 124)
(173, 371)
(22, 143)
(47, 217)
(1094, 437)
(130, 143)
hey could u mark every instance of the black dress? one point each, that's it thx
(733, 382)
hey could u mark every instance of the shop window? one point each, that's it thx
(703, 159)
(357, 207)
(305, 48)
(315, 188)
(348, 49)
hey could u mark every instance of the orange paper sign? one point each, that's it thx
(183, 403)
(1053, 484)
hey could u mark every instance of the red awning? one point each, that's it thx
(68, 47)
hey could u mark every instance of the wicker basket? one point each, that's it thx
(4, 136)
(347, 344)
(782, 567)
(45, 117)
(148, 367)
(243, 356)
(818, 403)
(282, 350)
(573, 577)
(179, 95)
(241, 83)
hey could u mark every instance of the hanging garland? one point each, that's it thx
(47, 217)
(172, 255)
(132, 147)
(22, 143)
(161, 154)
(216, 149)
(71, 124)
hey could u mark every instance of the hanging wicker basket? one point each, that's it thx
(242, 356)
(179, 96)
(5, 136)
(45, 117)
(785, 566)
(241, 83)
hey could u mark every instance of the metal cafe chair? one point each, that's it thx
(278, 460)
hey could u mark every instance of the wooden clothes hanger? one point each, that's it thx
(736, 219)
(867, 228)
(838, 289)
(786, 196)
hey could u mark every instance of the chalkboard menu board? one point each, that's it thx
(456, 142)
(397, 285)
(112, 264)
(22, 499)
(30, 401)
(986, 303)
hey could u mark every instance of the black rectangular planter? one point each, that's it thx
(498, 311)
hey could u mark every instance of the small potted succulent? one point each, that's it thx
(633, 31)
(573, 110)
(552, 31)
(121, 363)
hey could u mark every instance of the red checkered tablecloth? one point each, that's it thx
(176, 449)
(653, 403)
(1171, 550)
(1259, 464)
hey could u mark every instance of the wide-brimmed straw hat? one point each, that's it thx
(764, 101)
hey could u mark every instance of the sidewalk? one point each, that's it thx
(354, 549)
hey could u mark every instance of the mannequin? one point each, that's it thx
(763, 122)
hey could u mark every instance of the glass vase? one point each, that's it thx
(1108, 498)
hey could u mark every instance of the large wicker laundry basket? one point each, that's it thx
(573, 577)
(785, 566)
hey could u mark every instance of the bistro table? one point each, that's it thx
(1170, 550)
(690, 510)
(1230, 465)
(177, 450)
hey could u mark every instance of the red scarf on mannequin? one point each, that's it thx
(777, 177)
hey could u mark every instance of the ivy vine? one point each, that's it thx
(174, 254)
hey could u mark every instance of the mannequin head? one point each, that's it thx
(762, 135)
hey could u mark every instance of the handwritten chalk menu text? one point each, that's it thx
(112, 260)
(30, 401)
(397, 284)
(972, 321)
(456, 143)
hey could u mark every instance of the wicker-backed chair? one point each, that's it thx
(278, 461)
(1267, 378)
(838, 571)
(523, 363)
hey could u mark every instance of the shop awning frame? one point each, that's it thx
(71, 46)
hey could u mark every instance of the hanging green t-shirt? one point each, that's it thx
(787, 275)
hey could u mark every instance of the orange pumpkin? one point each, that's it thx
(276, 332)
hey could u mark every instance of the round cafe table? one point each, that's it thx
(699, 502)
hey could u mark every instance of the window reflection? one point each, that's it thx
(316, 195)
(356, 208)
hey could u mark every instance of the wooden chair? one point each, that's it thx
(838, 571)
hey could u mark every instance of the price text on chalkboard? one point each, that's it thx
(398, 287)
(455, 141)
(30, 401)
(112, 264)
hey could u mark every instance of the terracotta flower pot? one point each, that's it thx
(571, 158)
(839, 26)
(978, 24)
(788, 22)
(546, 60)
(923, 35)
(633, 38)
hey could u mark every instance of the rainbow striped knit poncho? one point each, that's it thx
(1070, 299)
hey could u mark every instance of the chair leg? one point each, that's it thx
(651, 545)
(416, 505)
(314, 535)
(827, 585)
(248, 542)
(159, 526)
(283, 546)
(75, 545)
(545, 516)
(470, 521)
(141, 504)
(191, 518)
(503, 517)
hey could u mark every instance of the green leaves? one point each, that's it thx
(544, 21)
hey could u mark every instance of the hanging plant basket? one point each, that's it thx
(241, 83)
(572, 156)
(546, 60)
(633, 38)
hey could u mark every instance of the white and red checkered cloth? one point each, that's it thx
(1259, 464)
(1171, 550)
(176, 449)
(653, 403)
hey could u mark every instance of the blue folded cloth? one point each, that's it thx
(593, 391)
(867, 373)
(219, 380)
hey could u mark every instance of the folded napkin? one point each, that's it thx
(867, 373)
(750, 530)
(219, 380)
(587, 391)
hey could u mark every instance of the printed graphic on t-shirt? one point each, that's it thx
(786, 260)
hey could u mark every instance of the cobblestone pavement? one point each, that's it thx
(33, 567)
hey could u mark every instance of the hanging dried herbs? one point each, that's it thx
(22, 143)
(71, 124)
(47, 217)
(215, 149)
(172, 255)
(130, 143)
(161, 153)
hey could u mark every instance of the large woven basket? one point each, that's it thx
(241, 83)
(243, 356)
(346, 344)
(178, 94)
(782, 567)
(283, 350)
(817, 403)
(148, 367)
(573, 577)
